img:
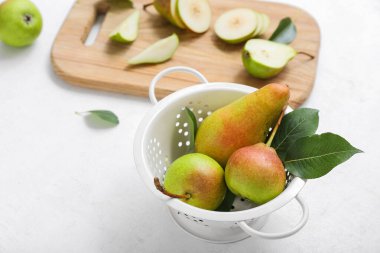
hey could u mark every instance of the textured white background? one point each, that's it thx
(65, 187)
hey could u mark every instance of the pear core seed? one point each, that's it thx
(236, 22)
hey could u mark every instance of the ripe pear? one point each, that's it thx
(197, 180)
(244, 122)
(256, 173)
(20, 22)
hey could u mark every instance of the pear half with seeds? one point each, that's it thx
(160, 51)
(264, 59)
(127, 31)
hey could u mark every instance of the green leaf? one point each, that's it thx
(227, 202)
(317, 155)
(104, 115)
(296, 124)
(192, 127)
(285, 32)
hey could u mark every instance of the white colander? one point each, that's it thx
(163, 135)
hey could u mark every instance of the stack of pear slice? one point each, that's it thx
(241, 24)
(194, 15)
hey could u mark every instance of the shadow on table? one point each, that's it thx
(8, 52)
(81, 90)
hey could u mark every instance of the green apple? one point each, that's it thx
(127, 31)
(158, 52)
(264, 59)
(199, 178)
(195, 14)
(236, 25)
(20, 22)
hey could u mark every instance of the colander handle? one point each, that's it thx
(252, 232)
(153, 83)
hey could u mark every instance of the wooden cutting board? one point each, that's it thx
(103, 65)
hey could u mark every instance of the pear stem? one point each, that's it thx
(307, 54)
(172, 195)
(146, 6)
(274, 131)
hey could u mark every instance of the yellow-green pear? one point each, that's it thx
(256, 173)
(196, 179)
(20, 22)
(241, 123)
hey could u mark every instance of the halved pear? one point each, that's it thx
(127, 31)
(236, 25)
(158, 52)
(195, 14)
(264, 59)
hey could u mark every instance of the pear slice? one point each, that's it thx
(236, 25)
(259, 23)
(267, 22)
(127, 31)
(168, 10)
(195, 14)
(176, 19)
(264, 24)
(158, 52)
(264, 59)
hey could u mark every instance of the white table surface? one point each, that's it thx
(66, 187)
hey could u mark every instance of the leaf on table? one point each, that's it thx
(192, 121)
(315, 156)
(296, 124)
(104, 115)
(285, 32)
